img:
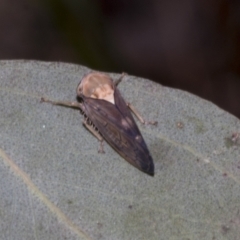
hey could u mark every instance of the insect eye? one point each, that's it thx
(79, 90)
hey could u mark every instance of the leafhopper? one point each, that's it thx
(107, 116)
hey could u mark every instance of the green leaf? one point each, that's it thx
(55, 185)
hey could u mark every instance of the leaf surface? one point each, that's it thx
(55, 185)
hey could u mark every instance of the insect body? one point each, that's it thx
(108, 117)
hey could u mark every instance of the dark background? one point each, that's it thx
(189, 44)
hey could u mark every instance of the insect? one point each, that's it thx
(107, 117)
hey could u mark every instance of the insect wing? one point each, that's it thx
(118, 128)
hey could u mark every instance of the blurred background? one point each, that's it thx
(193, 45)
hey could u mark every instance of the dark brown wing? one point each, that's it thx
(118, 128)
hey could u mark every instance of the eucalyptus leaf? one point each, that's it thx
(55, 185)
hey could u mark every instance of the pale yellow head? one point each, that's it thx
(97, 85)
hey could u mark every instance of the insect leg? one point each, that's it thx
(120, 79)
(140, 118)
(93, 130)
(65, 104)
